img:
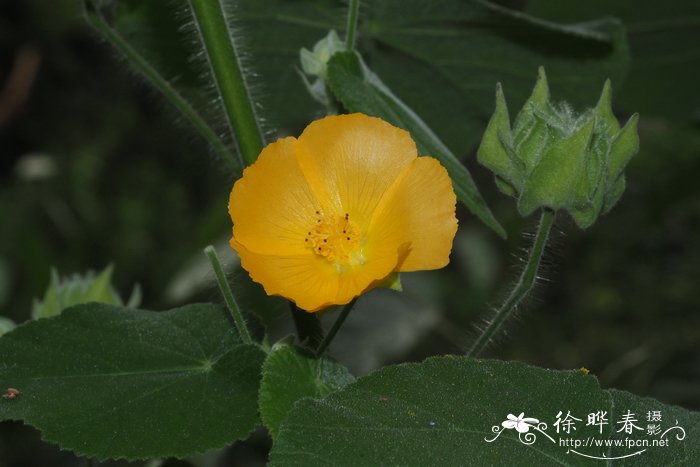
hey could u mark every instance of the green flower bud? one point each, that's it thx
(315, 62)
(69, 291)
(557, 159)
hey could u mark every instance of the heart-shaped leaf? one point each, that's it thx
(114, 382)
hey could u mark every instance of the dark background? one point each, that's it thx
(96, 169)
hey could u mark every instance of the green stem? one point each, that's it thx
(308, 327)
(95, 19)
(353, 11)
(334, 330)
(522, 287)
(228, 295)
(228, 74)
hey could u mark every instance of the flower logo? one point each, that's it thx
(520, 423)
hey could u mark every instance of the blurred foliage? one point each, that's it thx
(75, 289)
(663, 41)
(486, 44)
(120, 181)
(6, 325)
(95, 169)
(460, 48)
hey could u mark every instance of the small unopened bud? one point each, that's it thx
(314, 62)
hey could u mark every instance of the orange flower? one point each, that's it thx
(326, 217)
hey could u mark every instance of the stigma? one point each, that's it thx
(336, 238)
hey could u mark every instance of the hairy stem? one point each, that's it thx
(224, 61)
(525, 283)
(334, 330)
(231, 304)
(353, 10)
(308, 327)
(95, 19)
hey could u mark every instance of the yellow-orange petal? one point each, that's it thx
(272, 205)
(311, 281)
(419, 210)
(351, 160)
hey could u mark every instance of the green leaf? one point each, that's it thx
(360, 90)
(663, 75)
(462, 48)
(683, 448)
(114, 382)
(443, 412)
(289, 375)
(441, 57)
(456, 49)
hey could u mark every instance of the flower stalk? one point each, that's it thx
(308, 327)
(334, 329)
(231, 304)
(224, 61)
(525, 283)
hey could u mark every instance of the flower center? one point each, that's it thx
(336, 238)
